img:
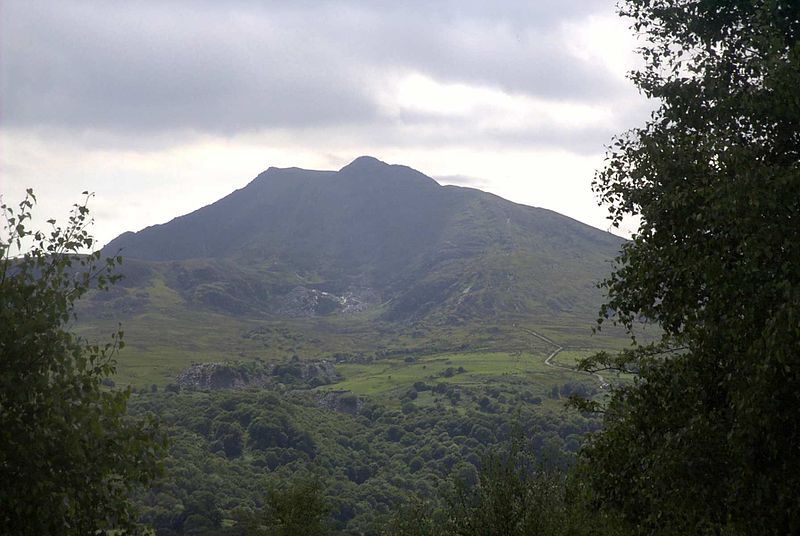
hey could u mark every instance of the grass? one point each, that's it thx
(169, 335)
(570, 357)
(389, 378)
(161, 343)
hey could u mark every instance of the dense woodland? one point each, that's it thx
(232, 450)
(703, 440)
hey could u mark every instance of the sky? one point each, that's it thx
(160, 107)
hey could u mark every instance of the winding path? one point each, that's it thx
(558, 349)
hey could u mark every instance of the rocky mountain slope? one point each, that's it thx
(369, 237)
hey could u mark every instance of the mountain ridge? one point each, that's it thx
(368, 260)
(384, 230)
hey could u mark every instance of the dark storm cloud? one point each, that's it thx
(239, 65)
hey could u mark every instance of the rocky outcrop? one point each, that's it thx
(319, 373)
(242, 375)
(305, 302)
(302, 302)
(341, 401)
(214, 376)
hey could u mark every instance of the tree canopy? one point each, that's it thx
(709, 436)
(69, 454)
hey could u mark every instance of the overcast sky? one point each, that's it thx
(161, 107)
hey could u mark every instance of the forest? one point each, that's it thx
(241, 453)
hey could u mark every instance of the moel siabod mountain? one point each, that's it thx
(370, 237)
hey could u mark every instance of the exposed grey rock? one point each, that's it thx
(341, 401)
(305, 302)
(214, 376)
(320, 373)
(238, 375)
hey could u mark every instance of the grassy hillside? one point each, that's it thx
(165, 333)
(443, 317)
(372, 260)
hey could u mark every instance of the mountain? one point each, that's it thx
(296, 242)
(370, 260)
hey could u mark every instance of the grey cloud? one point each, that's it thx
(240, 65)
(522, 58)
(152, 69)
(416, 129)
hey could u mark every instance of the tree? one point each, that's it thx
(707, 438)
(297, 507)
(69, 454)
(511, 494)
(514, 495)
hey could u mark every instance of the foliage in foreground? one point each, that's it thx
(514, 494)
(234, 453)
(295, 508)
(707, 440)
(69, 454)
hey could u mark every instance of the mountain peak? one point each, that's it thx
(374, 234)
(365, 162)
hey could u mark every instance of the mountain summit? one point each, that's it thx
(374, 236)
(365, 162)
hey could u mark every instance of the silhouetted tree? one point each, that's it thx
(707, 439)
(69, 454)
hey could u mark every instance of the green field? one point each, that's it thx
(391, 376)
